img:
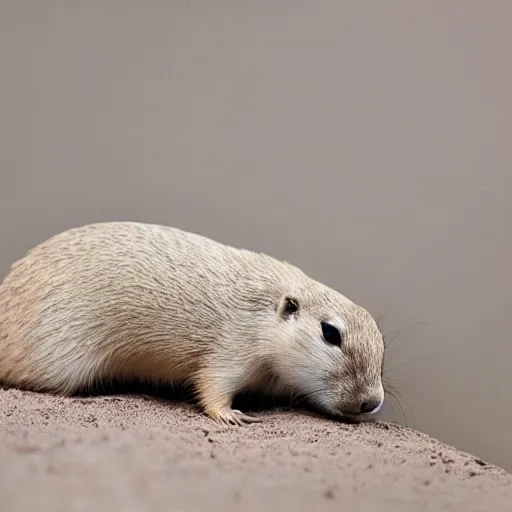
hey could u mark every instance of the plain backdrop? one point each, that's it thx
(367, 142)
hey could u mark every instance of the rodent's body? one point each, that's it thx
(124, 300)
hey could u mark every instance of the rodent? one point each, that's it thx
(125, 300)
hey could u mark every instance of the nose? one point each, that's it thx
(370, 406)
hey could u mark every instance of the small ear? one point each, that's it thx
(288, 307)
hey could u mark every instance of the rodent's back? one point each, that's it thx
(114, 295)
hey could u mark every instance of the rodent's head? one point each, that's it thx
(330, 350)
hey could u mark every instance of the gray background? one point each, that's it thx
(367, 142)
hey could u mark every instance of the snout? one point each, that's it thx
(370, 407)
(363, 406)
(367, 407)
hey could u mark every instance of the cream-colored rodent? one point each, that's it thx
(125, 300)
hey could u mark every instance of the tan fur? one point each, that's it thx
(124, 300)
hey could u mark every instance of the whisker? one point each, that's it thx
(407, 362)
(380, 320)
(396, 332)
(391, 393)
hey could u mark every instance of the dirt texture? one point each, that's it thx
(137, 453)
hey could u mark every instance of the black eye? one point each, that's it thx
(290, 307)
(331, 334)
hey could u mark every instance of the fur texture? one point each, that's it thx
(123, 300)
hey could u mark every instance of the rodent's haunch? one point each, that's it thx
(125, 300)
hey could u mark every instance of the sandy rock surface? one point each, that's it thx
(137, 453)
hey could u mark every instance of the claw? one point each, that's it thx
(235, 417)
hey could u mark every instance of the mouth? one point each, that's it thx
(355, 418)
(335, 411)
